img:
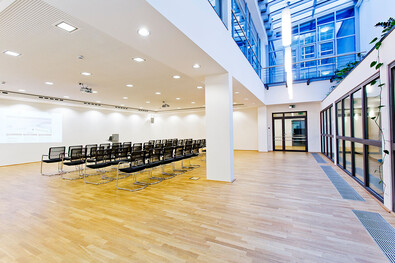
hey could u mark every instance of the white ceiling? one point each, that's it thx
(107, 38)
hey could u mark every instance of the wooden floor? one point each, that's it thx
(281, 208)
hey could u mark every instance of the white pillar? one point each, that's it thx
(219, 128)
(262, 129)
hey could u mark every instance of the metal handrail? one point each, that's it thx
(241, 28)
(316, 59)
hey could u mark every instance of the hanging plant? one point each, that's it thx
(387, 26)
(340, 74)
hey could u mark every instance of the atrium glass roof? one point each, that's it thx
(303, 9)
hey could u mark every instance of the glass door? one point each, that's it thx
(290, 131)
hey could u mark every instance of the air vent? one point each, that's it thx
(143, 110)
(49, 98)
(121, 108)
(93, 104)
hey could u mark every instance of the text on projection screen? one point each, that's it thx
(20, 126)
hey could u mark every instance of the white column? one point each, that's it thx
(219, 128)
(262, 129)
(227, 14)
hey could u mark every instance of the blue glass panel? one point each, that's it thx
(307, 38)
(308, 26)
(295, 30)
(346, 45)
(327, 32)
(345, 28)
(326, 48)
(345, 13)
(217, 6)
(325, 19)
(308, 52)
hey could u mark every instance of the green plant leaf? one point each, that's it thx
(381, 106)
(386, 152)
(373, 64)
(373, 118)
(374, 40)
(382, 84)
(379, 65)
(378, 45)
(373, 82)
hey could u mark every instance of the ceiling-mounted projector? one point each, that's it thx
(84, 88)
(165, 105)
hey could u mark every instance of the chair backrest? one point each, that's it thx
(196, 147)
(105, 145)
(181, 142)
(154, 156)
(158, 141)
(164, 141)
(88, 148)
(203, 143)
(179, 151)
(137, 158)
(76, 154)
(175, 142)
(127, 144)
(56, 152)
(168, 153)
(92, 152)
(137, 147)
(151, 141)
(74, 147)
(148, 146)
(124, 152)
(188, 148)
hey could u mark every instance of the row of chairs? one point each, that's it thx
(138, 156)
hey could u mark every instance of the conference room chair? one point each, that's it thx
(68, 156)
(88, 149)
(136, 165)
(55, 155)
(137, 147)
(151, 141)
(101, 160)
(76, 160)
(168, 159)
(105, 146)
(175, 142)
(187, 155)
(158, 141)
(154, 160)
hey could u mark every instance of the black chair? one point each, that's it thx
(154, 160)
(188, 154)
(148, 146)
(68, 157)
(175, 142)
(178, 156)
(88, 149)
(158, 141)
(168, 158)
(121, 155)
(136, 165)
(164, 142)
(55, 155)
(102, 159)
(151, 141)
(181, 142)
(105, 146)
(127, 144)
(77, 160)
(137, 147)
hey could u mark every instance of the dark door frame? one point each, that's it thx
(283, 129)
(391, 104)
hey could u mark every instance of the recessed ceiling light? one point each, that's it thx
(148, 102)
(178, 108)
(236, 92)
(234, 103)
(125, 98)
(143, 32)
(49, 83)
(129, 85)
(199, 87)
(11, 53)
(157, 93)
(178, 98)
(98, 101)
(176, 77)
(66, 97)
(67, 27)
(122, 105)
(245, 98)
(138, 59)
(86, 73)
(140, 108)
(21, 90)
(193, 102)
(95, 91)
(196, 66)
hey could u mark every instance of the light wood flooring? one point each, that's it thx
(281, 208)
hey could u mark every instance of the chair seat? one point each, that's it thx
(154, 164)
(53, 160)
(114, 162)
(133, 169)
(98, 165)
(74, 162)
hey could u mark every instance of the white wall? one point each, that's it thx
(370, 13)
(85, 126)
(313, 122)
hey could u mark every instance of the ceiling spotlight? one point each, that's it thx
(157, 93)
(148, 102)
(143, 32)
(140, 108)
(138, 59)
(49, 83)
(66, 97)
(95, 92)
(178, 108)
(129, 85)
(176, 77)
(193, 102)
(98, 101)
(196, 66)
(199, 87)
(86, 73)
(21, 90)
(67, 27)
(178, 98)
(236, 92)
(245, 98)
(125, 98)
(11, 53)
(122, 105)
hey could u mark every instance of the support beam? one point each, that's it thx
(219, 128)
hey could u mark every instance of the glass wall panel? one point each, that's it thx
(339, 118)
(346, 45)
(375, 169)
(357, 114)
(347, 124)
(358, 161)
(345, 28)
(348, 156)
(278, 134)
(373, 111)
(345, 13)
(340, 152)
